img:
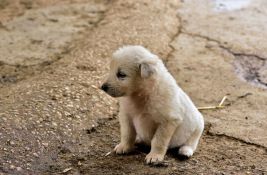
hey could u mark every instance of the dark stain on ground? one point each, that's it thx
(251, 69)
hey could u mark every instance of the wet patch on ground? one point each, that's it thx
(252, 69)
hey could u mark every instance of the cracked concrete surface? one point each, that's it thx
(218, 46)
(238, 31)
(38, 35)
(53, 118)
(249, 67)
(42, 36)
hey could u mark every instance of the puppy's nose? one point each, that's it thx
(105, 87)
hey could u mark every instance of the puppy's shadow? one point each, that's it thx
(173, 152)
(142, 148)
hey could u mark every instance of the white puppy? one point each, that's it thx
(153, 108)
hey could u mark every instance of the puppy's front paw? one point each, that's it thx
(123, 148)
(154, 158)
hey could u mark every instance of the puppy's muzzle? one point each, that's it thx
(105, 87)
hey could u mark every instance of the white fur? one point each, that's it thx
(153, 108)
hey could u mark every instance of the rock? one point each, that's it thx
(19, 168)
(35, 155)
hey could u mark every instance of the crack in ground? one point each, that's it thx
(223, 47)
(13, 73)
(222, 135)
(176, 35)
(248, 66)
(237, 55)
(250, 75)
(237, 139)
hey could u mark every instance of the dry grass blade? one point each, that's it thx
(66, 170)
(210, 107)
(214, 107)
(108, 153)
(224, 98)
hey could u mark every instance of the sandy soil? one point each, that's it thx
(54, 55)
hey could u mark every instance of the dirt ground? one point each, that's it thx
(54, 55)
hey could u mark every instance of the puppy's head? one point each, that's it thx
(129, 67)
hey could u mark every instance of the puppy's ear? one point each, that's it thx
(147, 69)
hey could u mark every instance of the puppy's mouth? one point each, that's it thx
(115, 95)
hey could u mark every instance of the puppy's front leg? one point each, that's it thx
(160, 141)
(128, 134)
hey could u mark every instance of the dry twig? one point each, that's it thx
(214, 107)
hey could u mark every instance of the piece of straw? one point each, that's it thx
(214, 107)
(108, 153)
(224, 98)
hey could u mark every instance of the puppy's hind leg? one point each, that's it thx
(188, 148)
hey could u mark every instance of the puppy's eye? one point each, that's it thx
(121, 74)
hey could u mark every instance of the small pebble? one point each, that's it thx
(12, 167)
(45, 144)
(35, 154)
(19, 169)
